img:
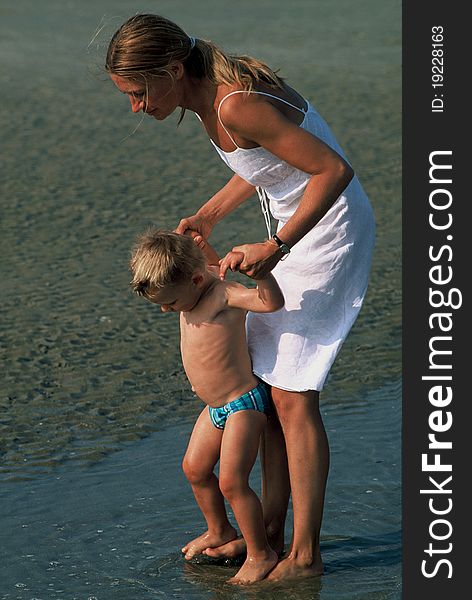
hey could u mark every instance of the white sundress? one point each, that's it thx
(324, 278)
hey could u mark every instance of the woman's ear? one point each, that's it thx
(177, 70)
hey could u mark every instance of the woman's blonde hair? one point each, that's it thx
(146, 44)
(160, 258)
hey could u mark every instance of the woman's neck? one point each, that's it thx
(199, 96)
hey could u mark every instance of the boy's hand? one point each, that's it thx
(257, 261)
(209, 253)
(231, 261)
(197, 238)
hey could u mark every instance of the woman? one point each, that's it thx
(277, 145)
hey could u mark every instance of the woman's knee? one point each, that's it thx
(291, 406)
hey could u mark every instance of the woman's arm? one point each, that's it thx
(229, 197)
(255, 120)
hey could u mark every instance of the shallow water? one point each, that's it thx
(94, 407)
(114, 530)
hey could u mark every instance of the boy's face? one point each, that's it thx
(180, 297)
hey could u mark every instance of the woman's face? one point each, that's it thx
(159, 98)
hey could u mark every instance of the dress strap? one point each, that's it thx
(219, 117)
(277, 98)
(265, 209)
(251, 92)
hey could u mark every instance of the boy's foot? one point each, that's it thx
(232, 549)
(207, 541)
(237, 547)
(255, 569)
(291, 568)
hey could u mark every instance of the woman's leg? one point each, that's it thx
(275, 483)
(199, 461)
(308, 463)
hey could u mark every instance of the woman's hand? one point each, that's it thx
(196, 223)
(254, 260)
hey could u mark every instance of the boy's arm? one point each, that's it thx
(267, 297)
(209, 252)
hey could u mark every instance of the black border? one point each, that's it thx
(424, 132)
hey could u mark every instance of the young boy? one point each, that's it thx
(171, 270)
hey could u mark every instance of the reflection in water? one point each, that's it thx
(213, 578)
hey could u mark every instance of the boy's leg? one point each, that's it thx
(239, 449)
(275, 492)
(199, 461)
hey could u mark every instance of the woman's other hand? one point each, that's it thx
(195, 223)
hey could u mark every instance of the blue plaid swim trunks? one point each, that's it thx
(256, 399)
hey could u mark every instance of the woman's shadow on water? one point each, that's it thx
(346, 554)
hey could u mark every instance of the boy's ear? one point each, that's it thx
(197, 278)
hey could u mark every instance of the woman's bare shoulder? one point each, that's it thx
(234, 98)
(261, 103)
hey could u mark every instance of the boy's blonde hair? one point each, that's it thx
(146, 44)
(160, 258)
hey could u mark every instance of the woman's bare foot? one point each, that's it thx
(255, 569)
(292, 568)
(208, 540)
